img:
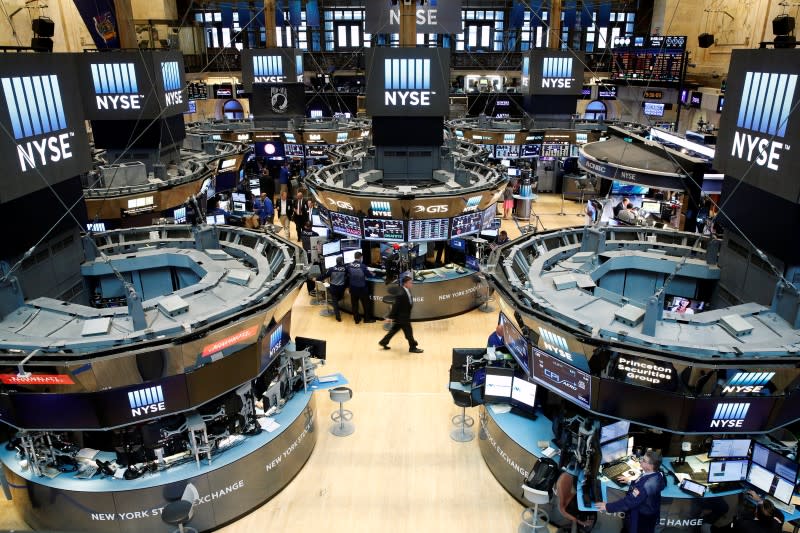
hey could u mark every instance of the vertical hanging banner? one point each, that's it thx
(312, 14)
(100, 18)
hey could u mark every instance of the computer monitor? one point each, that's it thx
(613, 451)
(497, 388)
(775, 462)
(523, 394)
(760, 477)
(516, 343)
(321, 231)
(350, 244)
(316, 347)
(332, 247)
(651, 206)
(238, 197)
(614, 431)
(458, 244)
(783, 490)
(239, 206)
(729, 448)
(330, 260)
(724, 471)
(349, 256)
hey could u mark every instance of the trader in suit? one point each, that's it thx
(400, 315)
(299, 213)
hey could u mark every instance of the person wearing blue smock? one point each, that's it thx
(496, 339)
(642, 503)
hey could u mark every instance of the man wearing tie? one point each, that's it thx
(400, 315)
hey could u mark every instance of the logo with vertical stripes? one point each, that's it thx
(275, 340)
(298, 67)
(172, 77)
(729, 415)
(764, 110)
(554, 343)
(146, 401)
(407, 82)
(557, 72)
(268, 69)
(115, 86)
(36, 112)
(526, 67)
(747, 382)
(381, 209)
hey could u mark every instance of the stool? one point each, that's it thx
(180, 512)
(462, 399)
(535, 518)
(323, 298)
(342, 426)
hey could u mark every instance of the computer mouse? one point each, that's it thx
(631, 473)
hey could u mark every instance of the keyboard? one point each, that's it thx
(614, 470)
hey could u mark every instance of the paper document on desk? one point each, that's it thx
(703, 458)
(268, 424)
(549, 451)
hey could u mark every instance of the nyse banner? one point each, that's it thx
(433, 16)
(43, 122)
(407, 82)
(554, 72)
(757, 128)
(271, 65)
(132, 85)
(730, 415)
(277, 100)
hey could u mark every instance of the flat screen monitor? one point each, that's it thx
(760, 477)
(316, 347)
(383, 229)
(683, 305)
(506, 151)
(330, 260)
(321, 231)
(458, 244)
(238, 197)
(332, 247)
(346, 224)
(215, 219)
(530, 150)
(473, 263)
(729, 448)
(613, 451)
(523, 394)
(652, 207)
(724, 471)
(350, 244)
(239, 207)
(269, 149)
(432, 229)
(497, 388)
(783, 490)
(614, 431)
(487, 219)
(620, 188)
(349, 256)
(513, 171)
(465, 225)
(561, 378)
(775, 462)
(293, 150)
(516, 343)
(653, 109)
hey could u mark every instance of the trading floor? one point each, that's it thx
(399, 471)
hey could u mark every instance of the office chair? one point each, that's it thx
(180, 512)
(342, 426)
(463, 399)
(533, 517)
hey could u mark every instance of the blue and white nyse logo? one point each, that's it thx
(557, 72)
(526, 64)
(407, 82)
(275, 340)
(37, 120)
(764, 109)
(747, 382)
(146, 401)
(268, 69)
(171, 75)
(115, 86)
(555, 344)
(729, 415)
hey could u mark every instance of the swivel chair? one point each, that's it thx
(463, 399)
(180, 512)
(342, 426)
(533, 517)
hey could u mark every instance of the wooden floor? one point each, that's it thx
(399, 471)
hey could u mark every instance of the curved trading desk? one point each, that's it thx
(238, 480)
(438, 293)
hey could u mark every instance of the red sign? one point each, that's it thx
(227, 342)
(37, 379)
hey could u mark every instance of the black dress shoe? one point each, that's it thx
(369, 321)
(338, 319)
(357, 320)
(415, 350)
(385, 346)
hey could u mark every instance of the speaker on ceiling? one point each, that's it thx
(705, 40)
(42, 44)
(782, 25)
(43, 27)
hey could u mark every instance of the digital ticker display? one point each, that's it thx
(346, 224)
(383, 229)
(466, 224)
(564, 379)
(434, 229)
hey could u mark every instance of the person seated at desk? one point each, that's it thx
(621, 206)
(628, 215)
(766, 519)
(496, 339)
(642, 503)
(566, 490)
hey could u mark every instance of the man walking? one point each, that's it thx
(400, 315)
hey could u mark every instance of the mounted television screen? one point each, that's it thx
(720, 103)
(516, 343)
(628, 189)
(530, 150)
(465, 225)
(383, 229)
(696, 99)
(683, 305)
(269, 149)
(346, 224)
(432, 229)
(653, 109)
(497, 388)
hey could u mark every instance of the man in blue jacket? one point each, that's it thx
(642, 504)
